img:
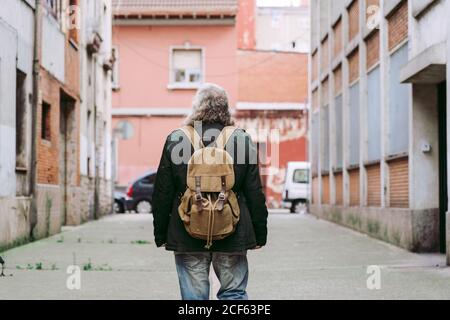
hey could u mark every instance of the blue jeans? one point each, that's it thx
(193, 274)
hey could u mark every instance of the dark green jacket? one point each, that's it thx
(171, 184)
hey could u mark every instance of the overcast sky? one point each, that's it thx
(277, 3)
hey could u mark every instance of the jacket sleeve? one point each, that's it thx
(163, 196)
(256, 199)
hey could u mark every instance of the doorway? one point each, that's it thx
(443, 186)
(67, 151)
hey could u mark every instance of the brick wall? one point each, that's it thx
(314, 65)
(353, 61)
(48, 151)
(325, 189)
(337, 80)
(259, 70)
(315, 190)
(339, 182)
(354, 187)
(399, 183)
(325, 55)
(373, 49)
(325, 92)
(337, 32)
(398, 25)
(353, 16)
(373, 185)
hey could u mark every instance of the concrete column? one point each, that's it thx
(345, 112)
(363, 105)
(384, 108)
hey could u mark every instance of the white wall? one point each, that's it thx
(16, 52)
(53, 48)
(95, 19)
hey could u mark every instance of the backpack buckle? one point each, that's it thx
(198, 197)
(222, 196)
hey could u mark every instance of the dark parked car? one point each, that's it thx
(140, 193)
(119, 202)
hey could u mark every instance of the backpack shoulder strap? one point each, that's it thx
(193, 137)
(224, 136)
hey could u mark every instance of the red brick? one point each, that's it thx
(353, 17)
(398, 25)
(373, 185)
(339, 182)
(325, 189)
(353, 61)
(337, 32)
(373, 49)
(259, 70)
(325, 55)
(338, 80)
(354, 187)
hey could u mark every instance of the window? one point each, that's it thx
(398, 104)
(325, 139)
(187, 67)
(354, 125)
(46, 122)
(21, 102)
(339, 131)
(374, 115)
(315, 142)
(301, 176)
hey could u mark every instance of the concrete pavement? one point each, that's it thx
(305, 258)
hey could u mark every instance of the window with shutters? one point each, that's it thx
(398, 105)
(354, 125)
(373, 115)
(186, 68)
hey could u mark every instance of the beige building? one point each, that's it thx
(283, 28)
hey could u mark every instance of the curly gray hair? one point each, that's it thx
(210, 105)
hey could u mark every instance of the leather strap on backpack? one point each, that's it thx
(193, 136)
(222, 194)
(198, 194)
(224, 136)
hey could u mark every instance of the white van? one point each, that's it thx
(296, 194)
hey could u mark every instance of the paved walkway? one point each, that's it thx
(305, 259)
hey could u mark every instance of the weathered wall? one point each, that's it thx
(415, 230)
(49, 207)
(14, 222)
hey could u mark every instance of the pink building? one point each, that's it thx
(164, 51)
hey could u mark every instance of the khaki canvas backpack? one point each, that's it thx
(209, 208)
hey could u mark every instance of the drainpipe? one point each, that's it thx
(96, 153)
(34, 115)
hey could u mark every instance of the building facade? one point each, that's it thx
(165, 51)
(41, 117)
(378, 119)
(273, 46)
